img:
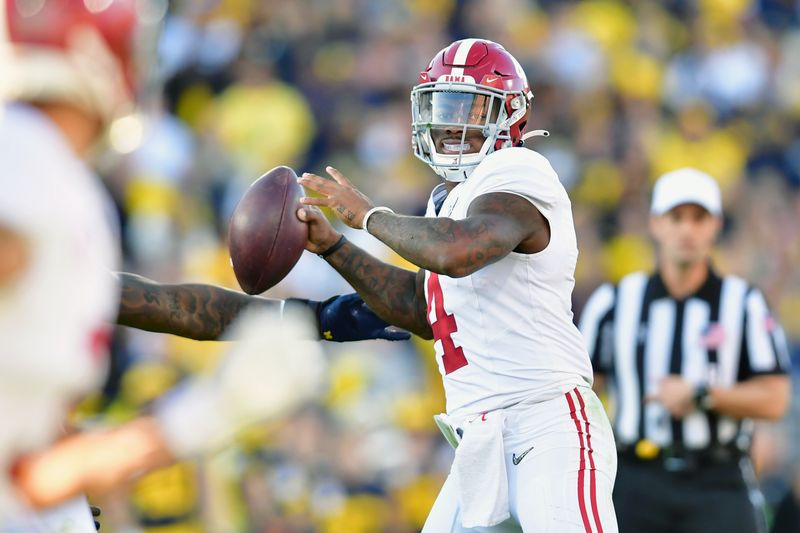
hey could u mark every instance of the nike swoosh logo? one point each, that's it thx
(517, 459)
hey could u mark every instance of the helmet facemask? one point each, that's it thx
(448, 119)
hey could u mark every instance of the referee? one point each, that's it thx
(690, 359)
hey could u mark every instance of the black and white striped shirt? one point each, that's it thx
(637, 334)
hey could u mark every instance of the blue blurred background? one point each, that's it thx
(628, 90)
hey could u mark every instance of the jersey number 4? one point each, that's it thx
(444, 326)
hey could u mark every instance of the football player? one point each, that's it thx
(66, 72)
(66, 75)
(496, 253)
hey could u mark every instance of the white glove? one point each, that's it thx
(270, 370)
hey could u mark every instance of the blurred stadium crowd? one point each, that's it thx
(628, 90)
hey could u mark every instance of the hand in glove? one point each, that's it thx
(347, 318)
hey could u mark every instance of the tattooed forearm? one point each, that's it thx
(446, 246)
(201, 312)
(442, 245)
(392, 293)
(495, 225)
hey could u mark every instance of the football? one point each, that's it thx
(265, 237)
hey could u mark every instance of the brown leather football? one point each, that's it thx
(265, 237)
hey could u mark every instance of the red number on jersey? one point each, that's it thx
(444, 327)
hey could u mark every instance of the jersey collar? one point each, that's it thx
(708, 291)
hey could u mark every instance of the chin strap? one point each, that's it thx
(535, 133)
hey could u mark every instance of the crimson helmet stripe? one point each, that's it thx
(461, 56)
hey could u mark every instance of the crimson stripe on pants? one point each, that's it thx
(592, 478)
(581, 502)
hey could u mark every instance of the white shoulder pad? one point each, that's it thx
(518, 171)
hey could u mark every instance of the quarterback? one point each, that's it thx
(496, 253)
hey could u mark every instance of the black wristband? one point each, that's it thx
(333, 248)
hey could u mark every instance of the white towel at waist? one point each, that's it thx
(480, 471)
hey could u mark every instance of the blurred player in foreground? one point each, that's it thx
(692, 358)
(66, 71)
(497, 253)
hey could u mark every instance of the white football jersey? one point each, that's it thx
(505, 333)
(55, 319)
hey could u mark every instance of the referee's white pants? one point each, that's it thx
(563, 484)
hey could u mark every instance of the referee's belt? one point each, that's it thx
(679, 458)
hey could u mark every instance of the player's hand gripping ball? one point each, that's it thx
(265, 237)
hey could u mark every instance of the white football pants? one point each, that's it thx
(562, 484)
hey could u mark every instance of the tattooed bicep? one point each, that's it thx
(504, 204)
(507, 214)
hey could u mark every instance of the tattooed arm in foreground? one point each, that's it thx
(196, 311)
(204, 312)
